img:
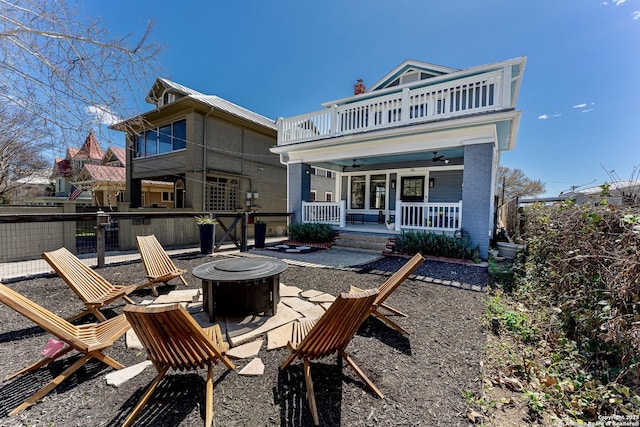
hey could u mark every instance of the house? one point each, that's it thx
(213, 153)
(619, 192)
(67, 169)
(420, 147)
(34, 187)
(107, 182)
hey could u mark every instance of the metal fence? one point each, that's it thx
(106, 238)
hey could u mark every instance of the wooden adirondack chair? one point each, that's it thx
(93, 289)
(329, 334)
(173, 339)
(387, 289)
(90, 339)
(160, 268)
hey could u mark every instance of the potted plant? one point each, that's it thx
(260, 232)
(207, 226)
(390, 224)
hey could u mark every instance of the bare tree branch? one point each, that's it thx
(62, 68)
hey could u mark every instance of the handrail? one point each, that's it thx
(474, 94)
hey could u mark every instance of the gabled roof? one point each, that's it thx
(410, 65)
(161, 85)
(103, 173)
(210, 101)
(90, 149)
(113, 154)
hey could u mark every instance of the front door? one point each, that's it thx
(412, 189)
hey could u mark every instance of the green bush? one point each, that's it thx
(412, 242)
(311, 233)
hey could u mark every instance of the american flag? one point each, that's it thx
(75, 192)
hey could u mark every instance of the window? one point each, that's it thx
(358, 191)
(167, 196)
(331, 174)
(328, 196)
(313, 195)
(161, 140)
(412, 189)
(377, 191)
(222, 194)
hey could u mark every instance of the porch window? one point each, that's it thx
(377, 188)
(358, 191)
(313, 195)
(413, 189)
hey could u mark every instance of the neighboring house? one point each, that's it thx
(420, 147)
(623, 193)
(107, 182)
(31, 188)
(67, 169)
(213, 153)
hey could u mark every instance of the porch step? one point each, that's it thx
(361, 242)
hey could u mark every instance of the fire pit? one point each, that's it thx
(240, 286)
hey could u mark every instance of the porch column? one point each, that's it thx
(299, 184)
(476, 195)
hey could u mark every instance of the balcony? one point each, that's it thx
(480, 93)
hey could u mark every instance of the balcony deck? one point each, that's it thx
(484, 92)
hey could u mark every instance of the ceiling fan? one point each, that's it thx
(437, 158)
(354, 165)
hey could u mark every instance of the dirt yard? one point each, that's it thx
(422, 375)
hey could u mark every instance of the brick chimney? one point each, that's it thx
(358, 88)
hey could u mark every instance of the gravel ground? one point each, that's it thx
(421, 375)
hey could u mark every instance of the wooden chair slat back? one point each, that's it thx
(338, 324)
(83, 280)
(173, 338)
(398, 277)
(156, 261)
(42, 317)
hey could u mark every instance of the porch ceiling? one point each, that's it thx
(401, 158)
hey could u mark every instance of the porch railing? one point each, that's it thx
(439, 217)
(479, 93)
(333, 213)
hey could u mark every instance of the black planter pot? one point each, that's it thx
(260, 233)
(207, 237)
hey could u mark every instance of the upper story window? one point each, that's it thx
(163, 139)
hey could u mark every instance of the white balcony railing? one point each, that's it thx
(480, 93)
(439, 217)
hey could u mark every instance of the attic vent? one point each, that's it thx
(410, 77)
(168, 98)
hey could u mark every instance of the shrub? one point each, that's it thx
(311, 233)
(581, 276)
(412, 242)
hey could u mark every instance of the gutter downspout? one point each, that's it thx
(204, 157)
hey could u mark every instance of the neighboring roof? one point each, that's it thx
(162, 84)
(212, 101)
(236, 110)
(39, 177)
(115, 153)
(90, 149)
(103, 173)
(613, 186)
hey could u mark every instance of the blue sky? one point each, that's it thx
(580, 95)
